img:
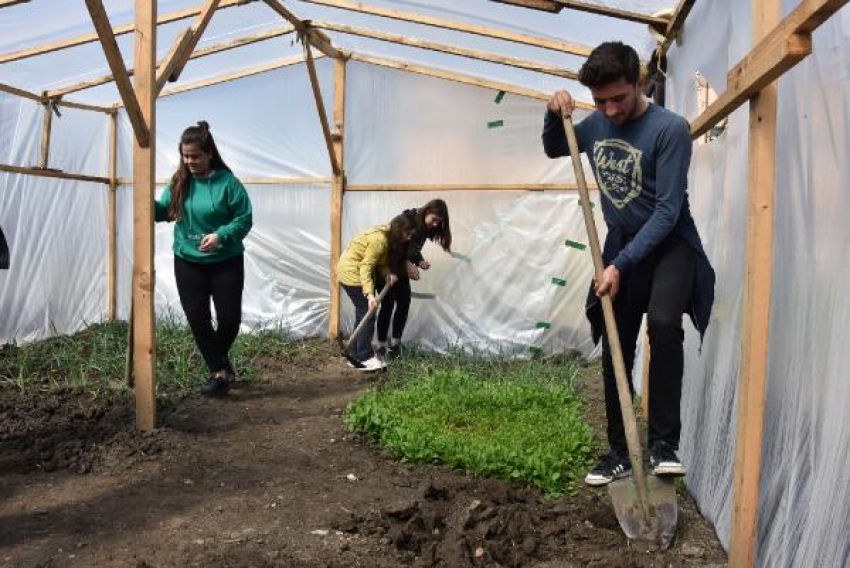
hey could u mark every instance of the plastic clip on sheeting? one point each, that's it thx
(499, 96)
(559, 281)
(495, 124)
(543, 325)
(423, 296)
(575, 245)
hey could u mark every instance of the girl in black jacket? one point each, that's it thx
(432, 222)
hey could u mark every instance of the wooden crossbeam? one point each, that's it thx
(320, 107)
(182, 48)
(264, 68)
(316, 38)
(788, 44)
(248, 180)
(44, 99)
(567, 186)
(598, 9)
(450, 49)
(455, 25)
(116, 31)
(674, 26)
(198, 53)
(459, 78)
(51, 174)
(7, 3)
(119, 71)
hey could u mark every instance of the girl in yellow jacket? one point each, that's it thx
(380, 250)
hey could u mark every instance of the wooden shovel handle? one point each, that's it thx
(362, 324)
(623, 390)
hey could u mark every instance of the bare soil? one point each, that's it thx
(269, 477)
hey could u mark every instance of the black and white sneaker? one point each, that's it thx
(664, 462)
(610, 467)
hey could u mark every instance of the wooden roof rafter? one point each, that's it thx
(116, 31)
(198, 53)
(675, 25)
(183, 46)
(556, 6)
(8, 3)
(315, 37)
(455, 25)
(449, 49)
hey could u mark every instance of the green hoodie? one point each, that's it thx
(216, 204)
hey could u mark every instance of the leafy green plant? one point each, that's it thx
(516, 420)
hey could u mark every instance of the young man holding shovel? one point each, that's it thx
(654, 259)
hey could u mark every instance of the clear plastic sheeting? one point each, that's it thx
(492, 293)
(803, 510)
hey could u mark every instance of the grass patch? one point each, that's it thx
(518, 421)
(94, 359)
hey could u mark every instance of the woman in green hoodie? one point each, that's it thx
(212, 215)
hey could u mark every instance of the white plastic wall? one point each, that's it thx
(803, 507)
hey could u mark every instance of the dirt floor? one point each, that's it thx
(270, 478)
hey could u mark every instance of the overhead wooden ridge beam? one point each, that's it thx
(566, 186)
(459, 78)
(316, 38)
(7, 3)
(117, 31)
(119, 71)
(264, 68)
(598, 9)
(183, 47)
(450, 49)
(51, 173)
(455, 25)
(231, 44)
(320, 106)
(788, 44)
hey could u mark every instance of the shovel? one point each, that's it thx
(645, 510)
(344, 345)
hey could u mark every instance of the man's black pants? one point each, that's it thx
(661, 287)
(196, 284)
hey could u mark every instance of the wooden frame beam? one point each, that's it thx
(8, 3)
(677, 22)
(119, 71)
(316, 38)
(112, 221)
(54, 100)
(264, 68)
(450, 49)
(755, 324)
(144, 275)
(780, 50)
(337, 191)
(598, 9)
(568, 186)
(460, 78)
(51, 173)
(320, 107)
(117, 31)
(184, 45)
(46, 124)
(231, 44)
(458, 26)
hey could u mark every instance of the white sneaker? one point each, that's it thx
(373, 364)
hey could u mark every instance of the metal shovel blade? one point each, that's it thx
(660, 526)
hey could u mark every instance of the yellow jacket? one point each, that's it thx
(366, 254)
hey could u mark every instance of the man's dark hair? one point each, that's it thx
(609, 62)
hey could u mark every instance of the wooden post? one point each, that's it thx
(45, 134)
(756, 306)
(111, 219)
(337, 191)
(144, 331)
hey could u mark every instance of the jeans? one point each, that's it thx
(361, 349)
(659, 286)
(223, 282)
(398, 296)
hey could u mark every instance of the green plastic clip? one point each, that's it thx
(499, 96)
(543, 325)
(535, 351)
(592, 204)
(559, 281)
(575, 245)
(495, 124)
